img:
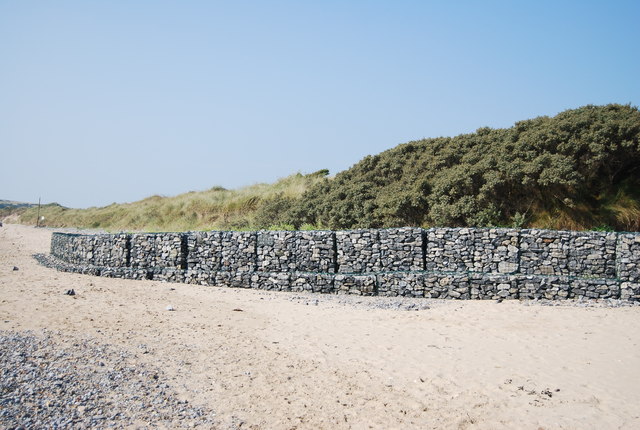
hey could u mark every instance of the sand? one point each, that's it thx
(268, 360)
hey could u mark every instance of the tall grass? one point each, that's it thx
(216, 208)
(616, 209)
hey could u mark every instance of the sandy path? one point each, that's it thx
(281, 363)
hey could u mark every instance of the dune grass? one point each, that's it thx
(216, 208)
(610, 211)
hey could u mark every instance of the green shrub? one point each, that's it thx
(567, 165)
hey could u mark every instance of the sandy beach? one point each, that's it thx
(265, 360)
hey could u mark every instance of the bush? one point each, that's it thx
(554, 169)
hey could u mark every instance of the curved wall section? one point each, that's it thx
(457, 263)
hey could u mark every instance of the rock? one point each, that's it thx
(459, 263)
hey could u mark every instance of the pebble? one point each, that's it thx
(369, 302)
(583, 303)
(50, 380)
(422, 304)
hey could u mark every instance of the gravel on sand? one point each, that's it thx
(51, 380)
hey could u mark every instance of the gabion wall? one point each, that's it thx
(454, 263)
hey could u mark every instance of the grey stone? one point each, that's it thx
(312, 282)
(358, 251)
(410, 284)
(363, 285)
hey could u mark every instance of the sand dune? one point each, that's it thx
(288, 360)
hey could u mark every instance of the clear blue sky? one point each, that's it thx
(114, 101)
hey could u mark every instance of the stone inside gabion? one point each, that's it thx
(456, 263)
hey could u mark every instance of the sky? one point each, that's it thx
(115, 101)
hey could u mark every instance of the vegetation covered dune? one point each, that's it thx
(577, 170)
